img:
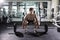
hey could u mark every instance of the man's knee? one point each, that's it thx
(36, 23)
(24, 22)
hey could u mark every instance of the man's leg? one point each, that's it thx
(24, 24)
(36, 26)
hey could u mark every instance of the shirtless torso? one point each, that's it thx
(30, 17)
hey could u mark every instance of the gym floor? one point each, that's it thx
(6, 33)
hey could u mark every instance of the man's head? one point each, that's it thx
(31, 9)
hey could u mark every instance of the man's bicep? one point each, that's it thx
(26, 17)
(35, 16)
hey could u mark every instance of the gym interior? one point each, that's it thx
(13, 12)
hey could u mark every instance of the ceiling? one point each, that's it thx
(24, 0)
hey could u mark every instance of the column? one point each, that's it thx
(49, 10)
(25, 12)
(18, 7)
(19, 13)
(55, 4)
(41, 9)
(10, 8)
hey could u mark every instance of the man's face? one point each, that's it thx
(31, 11)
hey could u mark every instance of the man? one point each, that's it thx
(30, 17)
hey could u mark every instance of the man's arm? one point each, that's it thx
(35, 17)
(26, 17)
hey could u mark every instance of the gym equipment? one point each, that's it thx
(46, 28)
(19, 34)
(58, 28)
(37, 34)
(57, 24)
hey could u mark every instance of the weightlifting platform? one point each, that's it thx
(51, 34)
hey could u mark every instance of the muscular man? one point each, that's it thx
(30, 17)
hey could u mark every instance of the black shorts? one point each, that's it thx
(30, 21)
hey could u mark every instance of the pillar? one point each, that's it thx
(10, 8)
(41, 9)
(49, 10)
(54, 5)
(18, 7)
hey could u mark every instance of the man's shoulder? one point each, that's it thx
(34, 14)
(27, 14)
